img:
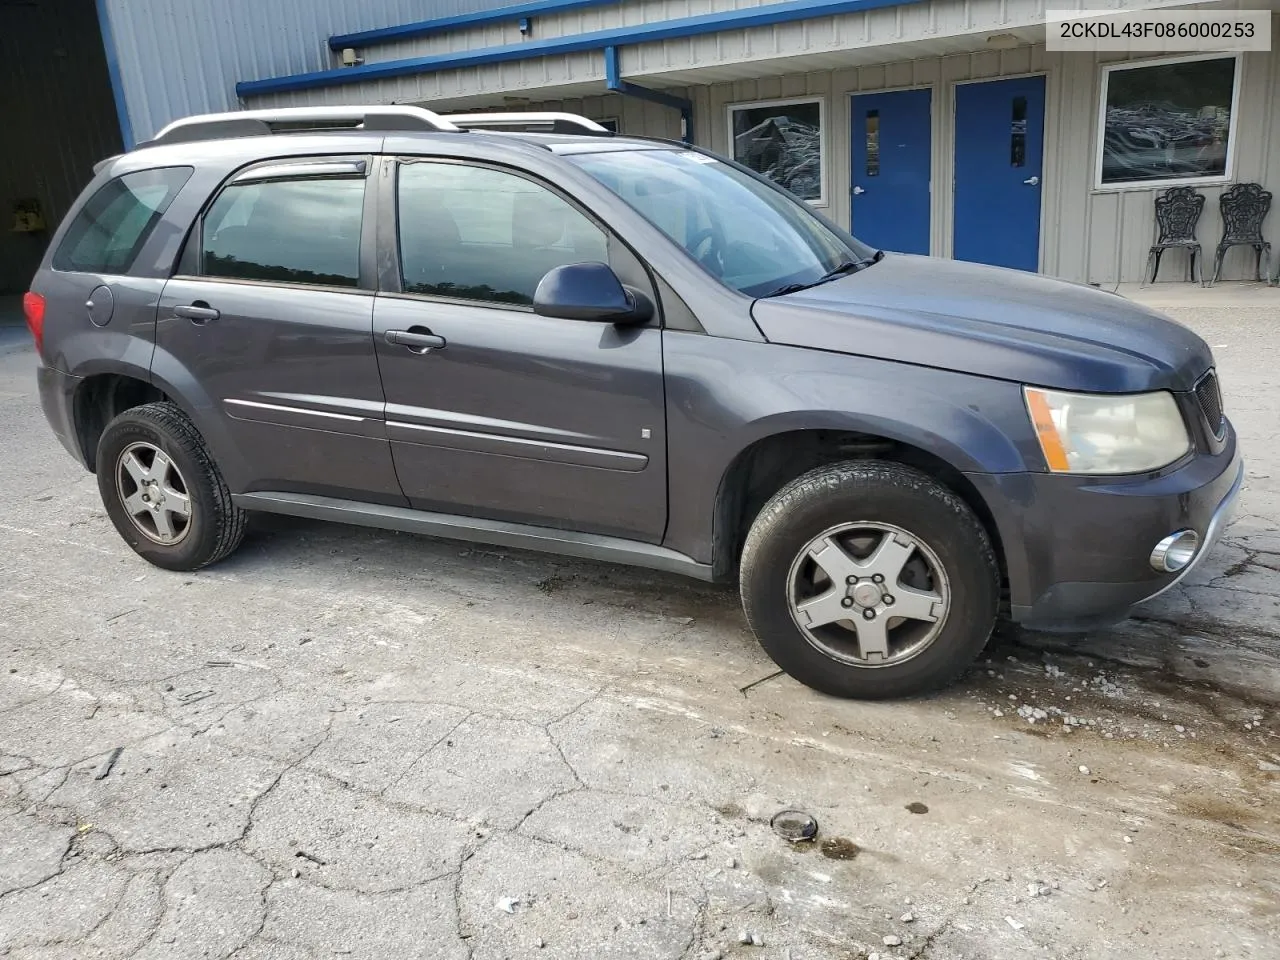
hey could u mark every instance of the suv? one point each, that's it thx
(521, 329)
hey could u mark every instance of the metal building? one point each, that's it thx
(932, 126)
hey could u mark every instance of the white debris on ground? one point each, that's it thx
(1072, 717)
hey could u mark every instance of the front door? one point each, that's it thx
(891, 170)
(268, 327)
(999, 164)
(503, 414)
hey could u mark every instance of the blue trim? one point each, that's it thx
(441, 24)
(763, 16)
(614, 81)
(113, 71)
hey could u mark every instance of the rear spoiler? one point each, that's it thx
(97, 167)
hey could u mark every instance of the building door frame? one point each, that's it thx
(946, 246)
(936, 195)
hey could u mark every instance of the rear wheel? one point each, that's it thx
(869, 579)
(162, 490)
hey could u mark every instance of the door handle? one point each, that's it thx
(1032, 181)
(417, 339)
(198, 312)
(858, 191)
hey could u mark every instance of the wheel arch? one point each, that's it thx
(775, 458)
(108, 390)
(102, 396)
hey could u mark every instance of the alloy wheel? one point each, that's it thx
(868, 594)
(154, 493)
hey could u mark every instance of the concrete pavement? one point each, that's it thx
(343, 742)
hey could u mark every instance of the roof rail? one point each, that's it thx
(529, 122)
(254, 123)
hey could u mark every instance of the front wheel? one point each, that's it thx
(869, 579)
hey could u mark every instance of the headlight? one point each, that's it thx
(1107, 433)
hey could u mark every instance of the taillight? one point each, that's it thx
(33, 307)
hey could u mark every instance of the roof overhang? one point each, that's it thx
(646, 55)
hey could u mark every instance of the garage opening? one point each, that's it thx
(59, 119)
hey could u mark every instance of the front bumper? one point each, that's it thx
(57, 399)
(1077, 549)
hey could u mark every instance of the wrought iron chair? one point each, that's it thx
(1178, 211)
(1244, 207)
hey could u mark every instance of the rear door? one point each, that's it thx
(514, 416)
(271, 318)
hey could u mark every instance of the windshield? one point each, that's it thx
(748, 235)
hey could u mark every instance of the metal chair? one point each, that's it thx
(1244, 207)
(1178, 211)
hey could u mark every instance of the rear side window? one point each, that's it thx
(112, 226)
(287, 231)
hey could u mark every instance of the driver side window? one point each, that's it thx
(476, 233)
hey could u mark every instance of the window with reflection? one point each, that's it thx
(1018, 133)
(873, 143)
(288, 231)
(1167, 120)
(782, 140)
(110, 229)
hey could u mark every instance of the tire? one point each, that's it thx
(781, 581)
(213, 526)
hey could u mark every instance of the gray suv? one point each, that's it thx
(521, 329)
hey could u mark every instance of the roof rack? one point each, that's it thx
(529, 122)
(254, 123)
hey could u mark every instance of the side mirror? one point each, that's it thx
(589, 291)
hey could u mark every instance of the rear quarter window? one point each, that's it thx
(112, 226)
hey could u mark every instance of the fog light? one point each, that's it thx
(1175, 551)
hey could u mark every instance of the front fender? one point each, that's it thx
(723, 396)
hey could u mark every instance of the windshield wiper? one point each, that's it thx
(835, 273)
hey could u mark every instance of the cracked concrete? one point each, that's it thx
(213, 906)
(362, 744)
(340, 837)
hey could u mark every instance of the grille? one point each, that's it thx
(1210, 399)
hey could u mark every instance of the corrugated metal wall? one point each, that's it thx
(59, 119)
(913, 19)
(180, 57)
(1106, 238)
(844, 39)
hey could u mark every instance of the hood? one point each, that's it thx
(992, 322)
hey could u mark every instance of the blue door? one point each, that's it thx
(999, 155)
(890, 176)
